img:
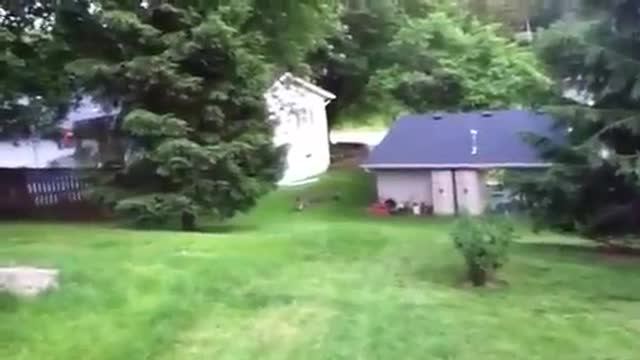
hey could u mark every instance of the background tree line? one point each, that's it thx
(189, 75)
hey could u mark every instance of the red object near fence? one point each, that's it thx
(379, 209)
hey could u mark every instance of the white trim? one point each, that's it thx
(314, 88)
(455, 166)
(289, 77)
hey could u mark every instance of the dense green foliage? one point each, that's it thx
(189, 77)
(448, 61)
(191, 87)
(484, 244)
(594, 186)
(33, 85)
(425, 55)
(516, 15)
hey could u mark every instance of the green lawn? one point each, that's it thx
(328, 283)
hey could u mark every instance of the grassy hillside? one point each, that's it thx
(327, 283)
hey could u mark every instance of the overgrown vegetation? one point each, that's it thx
(484, 244)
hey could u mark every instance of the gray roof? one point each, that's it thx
(87, 109)
(464, 140)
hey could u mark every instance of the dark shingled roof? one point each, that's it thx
(447, 140)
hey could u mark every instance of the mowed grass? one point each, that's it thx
(327, 283)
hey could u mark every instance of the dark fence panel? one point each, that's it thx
(45, 193)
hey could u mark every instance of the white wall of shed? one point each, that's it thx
(302, 126)
(405, 186)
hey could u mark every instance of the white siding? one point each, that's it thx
(308, 153)
(300, 120)
(435, 188)
(443, 199)
(405, 186)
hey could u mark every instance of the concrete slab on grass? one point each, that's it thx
(27, 281)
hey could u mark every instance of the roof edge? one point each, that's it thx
(305, 84)
(514, 165)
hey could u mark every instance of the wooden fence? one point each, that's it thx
(44, 193)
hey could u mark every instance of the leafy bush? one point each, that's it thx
(484, 243)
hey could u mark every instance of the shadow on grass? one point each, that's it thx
(202, 228)
(601, 251)
(8, 302)
(226, 228)
(449, 275)
(554, 248)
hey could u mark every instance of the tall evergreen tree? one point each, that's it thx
(191, 88)
(594, 185)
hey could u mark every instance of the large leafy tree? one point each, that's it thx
(190, 84)
(447, 60)
(594, 185)
(291, 28)
(517, 14)
(347, 63)
(417, 55)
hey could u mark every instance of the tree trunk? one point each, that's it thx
(477, 275)
(188, 221)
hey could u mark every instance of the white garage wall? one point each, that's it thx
(471, 191)
(405, 186)
(443, 200)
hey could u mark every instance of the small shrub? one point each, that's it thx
(484, 243)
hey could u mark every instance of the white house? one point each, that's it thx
(298, 111)
(33, 154)
(38, 153)
(440, 160)
(296, 107)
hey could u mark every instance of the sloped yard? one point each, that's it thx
(327, 283)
